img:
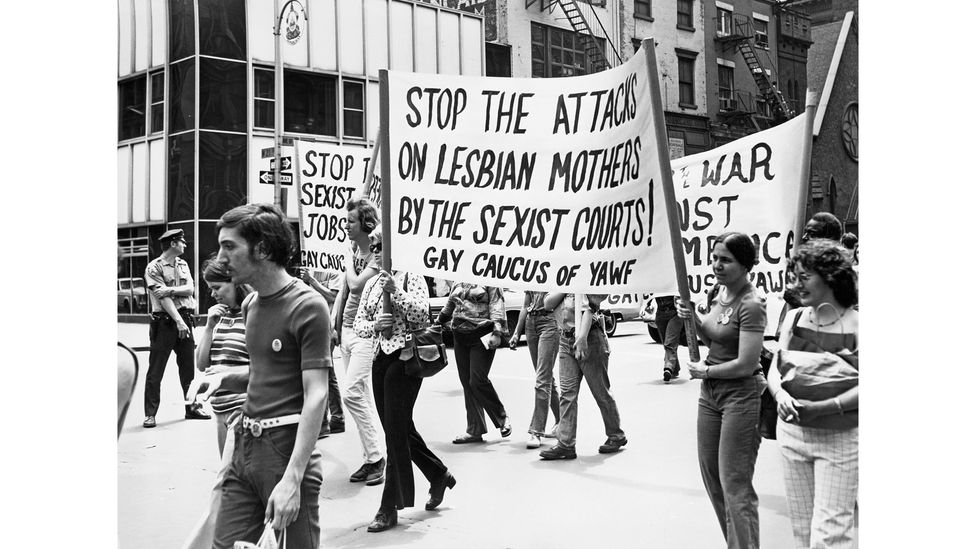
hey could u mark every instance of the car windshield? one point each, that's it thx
(125, 284)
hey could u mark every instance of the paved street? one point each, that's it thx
(648, 495)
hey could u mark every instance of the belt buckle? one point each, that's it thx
(256, 429)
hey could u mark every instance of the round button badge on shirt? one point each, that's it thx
(276, 345)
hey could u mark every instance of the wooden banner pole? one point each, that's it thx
(670, 205)
(298, 192)
(384, 144)
(371, 167)
(813, 98)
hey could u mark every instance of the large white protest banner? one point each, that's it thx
(532, 184)
(750, 185)
(328, 175)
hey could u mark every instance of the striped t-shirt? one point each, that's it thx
(228, 350)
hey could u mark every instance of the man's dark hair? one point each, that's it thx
(849, 240)
(830, 227)
(265, 229)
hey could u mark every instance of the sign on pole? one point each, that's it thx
(530, 184)
(330, 176)
(750, 185)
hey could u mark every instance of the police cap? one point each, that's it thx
(171, 235)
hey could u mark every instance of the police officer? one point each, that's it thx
(171, 295)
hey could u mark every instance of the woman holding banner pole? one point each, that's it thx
(815, 384)
(396, 392)
(477, 317)
(728, 406)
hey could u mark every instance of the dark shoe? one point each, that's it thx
(150, 422)
(612, 445)
(376, 472)
(558, 452)
(384, 520)
(196, 412)
(447, 480)
(467, 439)
(361, 473)
(506, 428)
(668, 374)
(337, 426)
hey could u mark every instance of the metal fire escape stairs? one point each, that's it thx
(741, 38)
(596, 54)
(767, 89)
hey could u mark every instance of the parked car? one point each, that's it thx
(131, 291)
(440, 288)
(618, 308)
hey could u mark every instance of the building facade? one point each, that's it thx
(196, 91)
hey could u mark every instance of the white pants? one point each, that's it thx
(820, 467)
(356, 384)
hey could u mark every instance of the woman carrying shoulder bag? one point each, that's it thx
(396, 392)
(814, 380)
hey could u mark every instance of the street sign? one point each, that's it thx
(267, 177)
(285, 163)
(268, 152)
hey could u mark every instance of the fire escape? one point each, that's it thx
(737, 32)
(583, 23)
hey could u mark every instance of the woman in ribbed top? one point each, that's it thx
(221, 348)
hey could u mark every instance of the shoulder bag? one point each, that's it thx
(424, 353)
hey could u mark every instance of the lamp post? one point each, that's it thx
(292, 33)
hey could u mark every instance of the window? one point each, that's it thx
(353, 110)
(686, 80)
(310, 103)
(763, 108)
(686, 14)
(557, 52)
(724, 22)
(132, 108)
(223, 95)
(642, 9)
(726, 88)
(181, 95)
(498, 60)
(264, 92)
(762, 33)
(157, 96)
(222, 28)
(134, 252)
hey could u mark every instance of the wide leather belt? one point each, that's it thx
(539, 312)
(257, 426)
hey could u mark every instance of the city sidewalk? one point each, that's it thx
(648, 495)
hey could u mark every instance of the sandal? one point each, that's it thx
(466, 439)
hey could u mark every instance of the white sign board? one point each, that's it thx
(750, 185)
(529, 184)
(329, 176)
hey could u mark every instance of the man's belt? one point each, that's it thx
(183, 311)
(539, 312)
(257, 426)
(571, 333)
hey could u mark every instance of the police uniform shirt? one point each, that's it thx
(161, 274)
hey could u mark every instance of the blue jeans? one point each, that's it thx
(543, 339)
(256, 468)
(728, 443)
(593, 368)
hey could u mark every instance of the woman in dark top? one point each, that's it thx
(818, 428)
(728, 406)
(476, 311)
